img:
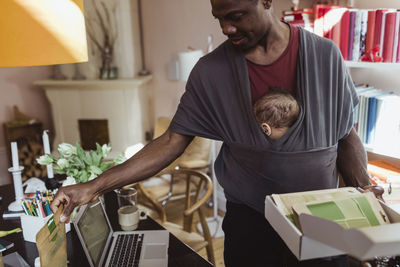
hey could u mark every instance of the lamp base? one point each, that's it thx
(15, 206)
(52, 184)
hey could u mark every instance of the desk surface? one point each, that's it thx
(179, 254)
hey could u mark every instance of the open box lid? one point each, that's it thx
(364, 243)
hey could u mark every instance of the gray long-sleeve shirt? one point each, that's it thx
(217, 105)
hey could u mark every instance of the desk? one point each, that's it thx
(179, 254)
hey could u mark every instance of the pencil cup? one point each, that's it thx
(31, 225)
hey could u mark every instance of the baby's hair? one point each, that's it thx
(278, 108)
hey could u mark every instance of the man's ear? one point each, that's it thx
(266, 128)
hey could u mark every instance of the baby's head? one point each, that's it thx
(276, 112)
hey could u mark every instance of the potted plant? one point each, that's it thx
(78, 165)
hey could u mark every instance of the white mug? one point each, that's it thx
(129, 217)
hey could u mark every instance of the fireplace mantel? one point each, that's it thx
(123, 102)
(94, 84)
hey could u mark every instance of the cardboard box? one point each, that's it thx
(302, 247)
(323, 238)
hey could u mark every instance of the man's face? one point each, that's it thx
(244, 22)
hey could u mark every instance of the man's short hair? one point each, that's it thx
(277, 108)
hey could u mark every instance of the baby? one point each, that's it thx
(276, 112)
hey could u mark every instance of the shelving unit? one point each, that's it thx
(370, 72)
(372, 65)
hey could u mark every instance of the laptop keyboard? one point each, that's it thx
(127, 250)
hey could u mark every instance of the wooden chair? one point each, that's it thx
(196, 156)
(199, 188)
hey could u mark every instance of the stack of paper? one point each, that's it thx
(355, 211)
(285, 202)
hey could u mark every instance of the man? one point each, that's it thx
(261, 52)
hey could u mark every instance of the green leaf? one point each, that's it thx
(77, 163)
(96, 159)
(58, 170)
(95, 170)
(79, 151)
(92, 176)
(88, 159)
(70, 172)
(99, 150)
(84, 176)
(105, 165)
(120, 159)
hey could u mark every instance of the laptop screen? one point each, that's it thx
(94, 230)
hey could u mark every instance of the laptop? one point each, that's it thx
(103, 247)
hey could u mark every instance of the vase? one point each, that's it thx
(108, 73)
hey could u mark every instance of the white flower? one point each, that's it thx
(63, 163)
(105, 149)
(66, 149)
(45, 160)
(69, 181)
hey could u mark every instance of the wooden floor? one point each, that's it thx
(174, 214)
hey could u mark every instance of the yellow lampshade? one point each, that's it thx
(42, 32)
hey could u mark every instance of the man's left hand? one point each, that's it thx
(376, 189)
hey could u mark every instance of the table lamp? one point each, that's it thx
(41, 32)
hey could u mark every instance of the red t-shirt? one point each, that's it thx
(281, 73)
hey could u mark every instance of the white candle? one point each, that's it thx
(46, 147)
(14, 154)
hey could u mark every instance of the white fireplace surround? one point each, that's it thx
(124, 103)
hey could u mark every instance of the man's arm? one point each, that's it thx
(352, 161)
(352, 164)
(147, 162)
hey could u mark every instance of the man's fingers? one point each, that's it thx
(59, 199)
(68, 208)
(377, 190)
(94, 198)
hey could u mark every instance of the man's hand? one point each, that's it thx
(377, 190)
(73, 196)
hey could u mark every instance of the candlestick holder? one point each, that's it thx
(19, 193)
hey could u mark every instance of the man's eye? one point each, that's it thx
(237, 17)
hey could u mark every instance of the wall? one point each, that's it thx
(16, 89)
(377, 4)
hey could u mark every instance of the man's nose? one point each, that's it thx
(228, 29)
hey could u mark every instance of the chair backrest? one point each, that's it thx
(199, 188)
(197, 154)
